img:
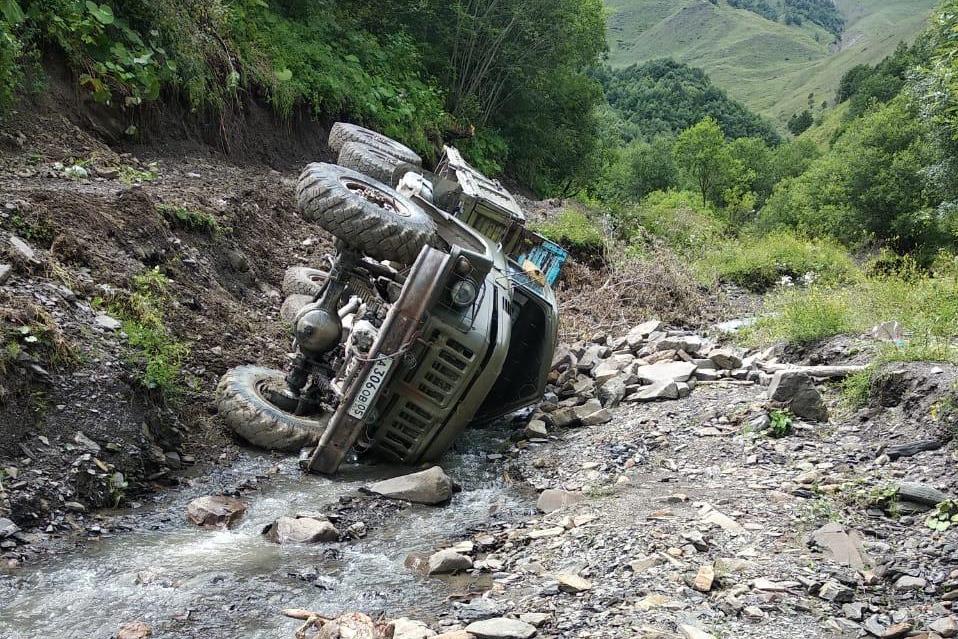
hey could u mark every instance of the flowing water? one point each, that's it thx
(189, 582)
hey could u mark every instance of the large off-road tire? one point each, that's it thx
(251, 416)
(302, 280)
(367, 215)
(374, 162)
(342, 132)
(292, 305)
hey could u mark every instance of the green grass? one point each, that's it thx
(677, 218)
(926, 307)
(759, 263)
(574, 231)
(857, 388)
(156, 351)
(769, 66)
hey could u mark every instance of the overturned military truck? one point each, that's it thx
(436, 311)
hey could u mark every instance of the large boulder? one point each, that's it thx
(301, 530)
(431, 486)
(638, 334)
(215, 511)
(796, 391)
(726, 358)
(691, 344)
(613, 391)
(406, 628)
(134, 630)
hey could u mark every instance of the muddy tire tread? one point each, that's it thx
(343, 132)
(258, 422)
(374, 162)
(323, 199)
(301, 280)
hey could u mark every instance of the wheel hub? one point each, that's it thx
(377, 197)
(286, 401)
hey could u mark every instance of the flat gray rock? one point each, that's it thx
(431, 487)
(665, 372)
(501, 628)
(553, 499)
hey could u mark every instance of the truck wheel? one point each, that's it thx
(248, 412)
(365, 214)
(292, 305)
(341, 133)
(374, 162)
(302, 280)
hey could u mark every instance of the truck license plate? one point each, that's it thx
(370, 388)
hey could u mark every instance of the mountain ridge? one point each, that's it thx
(774, 68)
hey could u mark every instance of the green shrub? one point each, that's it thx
(677, 218)
(759, 262)
(574, 231)
(10, 51)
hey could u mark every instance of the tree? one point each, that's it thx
(800, 122)
(701, 152)
(651, 167)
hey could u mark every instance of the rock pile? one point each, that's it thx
(653, 363)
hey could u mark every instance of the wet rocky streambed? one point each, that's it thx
(186, 581)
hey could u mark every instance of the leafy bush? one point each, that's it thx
(574, 231)
(872, 185)
(677, 218)
(10, 51)
(759, 262)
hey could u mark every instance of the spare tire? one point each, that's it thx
(302, 280)
(364, 213)
(248, 412)
(374, 162)
(341, 133)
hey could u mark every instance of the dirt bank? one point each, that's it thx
(80, 425)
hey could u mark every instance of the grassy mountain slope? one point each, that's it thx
(770, 66)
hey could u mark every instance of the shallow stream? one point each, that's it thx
(189, 582)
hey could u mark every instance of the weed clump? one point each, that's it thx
(184, 218)
(158, 353)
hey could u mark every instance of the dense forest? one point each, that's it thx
(666, 97)
(510, 74)
(824, 13)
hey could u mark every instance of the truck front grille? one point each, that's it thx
(444, 368)
(412, 418)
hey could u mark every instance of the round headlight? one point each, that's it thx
(464, 293)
